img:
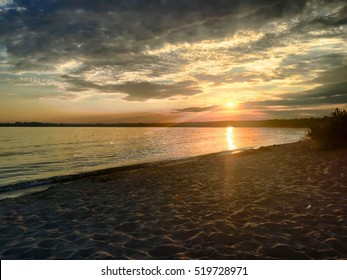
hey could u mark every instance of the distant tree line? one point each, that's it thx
(294, 123)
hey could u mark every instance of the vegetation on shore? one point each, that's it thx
(331, 132)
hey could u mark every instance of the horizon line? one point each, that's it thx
(297, 122)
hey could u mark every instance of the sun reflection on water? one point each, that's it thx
(230, 139)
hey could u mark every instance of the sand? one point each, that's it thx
(279, 202)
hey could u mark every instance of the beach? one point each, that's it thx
(278, 202)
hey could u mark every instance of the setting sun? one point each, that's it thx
(230, 104)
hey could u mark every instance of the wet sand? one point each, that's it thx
(279, 202)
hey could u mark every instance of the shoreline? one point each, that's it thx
(277, 202)
(37, 164)
(27, 187)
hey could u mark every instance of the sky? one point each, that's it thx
(92, 61)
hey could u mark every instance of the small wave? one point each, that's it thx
(10, 154)
(18, 193)
(25, 185)
(67, 178)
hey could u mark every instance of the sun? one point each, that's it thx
(230, 104)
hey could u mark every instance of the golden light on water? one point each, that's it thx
(230, 140)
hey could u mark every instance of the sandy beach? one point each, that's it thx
(279, 202)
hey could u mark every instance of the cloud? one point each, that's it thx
(136, 91)
(322, 95)
(46, 32)
(143, 91)
(296, 113)
(337, 75)
(197, 109)
(229, 78)
(5, 2)
(159, 49)
(326, 94)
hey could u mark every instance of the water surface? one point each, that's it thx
(32, 153)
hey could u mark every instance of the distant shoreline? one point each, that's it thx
(279, 123)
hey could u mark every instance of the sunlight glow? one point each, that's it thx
(230, 140)
(230, 104)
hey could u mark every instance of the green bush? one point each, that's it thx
(331, 132)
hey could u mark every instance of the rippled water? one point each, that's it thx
(28, 153)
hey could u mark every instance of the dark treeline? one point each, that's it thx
(295, 123)
(331, 132)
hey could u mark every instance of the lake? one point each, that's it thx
(31, 153)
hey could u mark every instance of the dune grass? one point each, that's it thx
(331, 132)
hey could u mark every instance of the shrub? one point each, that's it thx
(331, 132)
